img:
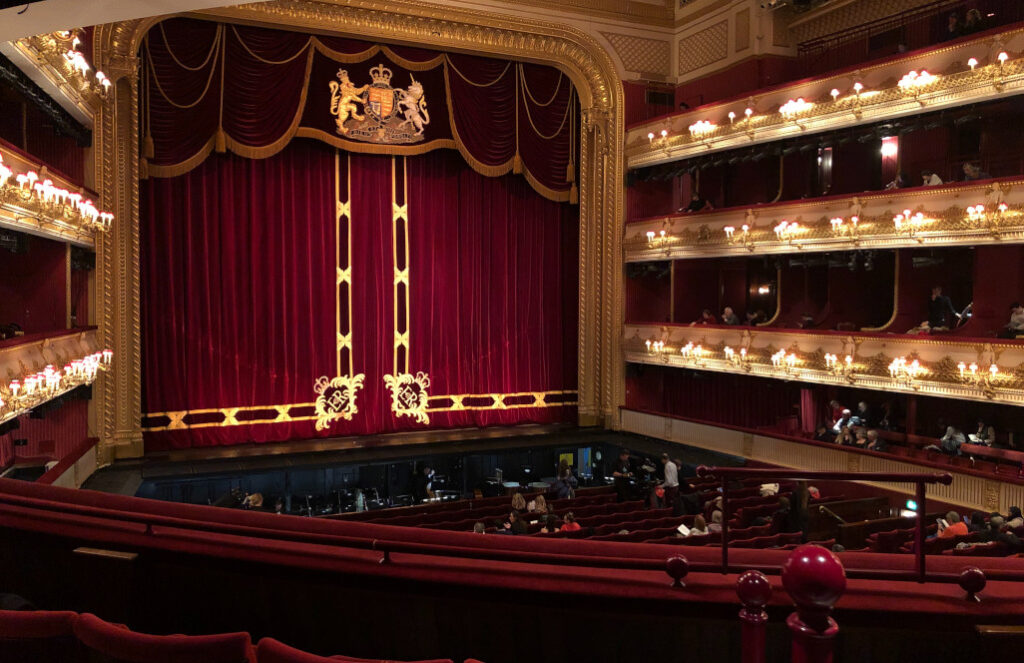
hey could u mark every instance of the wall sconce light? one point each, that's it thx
(701, 129)
(34, 389)
(904, 373)
(839, 368)
(659, 140)
(914, 83)
(985, 380)
(40, 195)
(909, 224)
(980, 217)
(835, 94)
(787, 230)
(972, 63)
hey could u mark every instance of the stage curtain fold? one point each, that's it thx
(239, 303)
(210, 87)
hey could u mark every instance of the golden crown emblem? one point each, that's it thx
(381, 74)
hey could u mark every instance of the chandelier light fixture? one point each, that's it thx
(34, 389)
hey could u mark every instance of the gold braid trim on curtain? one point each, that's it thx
(222, 141)
(480, 167)
(473, 83)
(558, 86)
(213, 47)
(248, 50)
(218, 45)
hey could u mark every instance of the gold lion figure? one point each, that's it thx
(344, 96)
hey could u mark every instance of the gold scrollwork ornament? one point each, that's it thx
(409, 395)
(336, 398)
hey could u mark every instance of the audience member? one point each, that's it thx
(550, 525)
(513, 524)
(565, 485)
(671, 482)
(973, 171)
(953, 526)
(865, 416)
(977, 523)
(951, 441)
(569, 523)
(538, 505)
(984, 434)
(940, 307)
(698, 204)
(784, 520)
(706, 318)
(845, 437)
(836, 409)
(699, 528)
(860, 439)
(623, 476)
(1016, 324)
(996, 532)
(1014, 518)
(519, 502)
(929, 178)
(479, 528)
(729, 316)
(838, 548)
(902, 181)
(876, 443)
(843, 421)
(973, 22)
(754, 318)
(953, 27)
(716, 522)
(822, 434)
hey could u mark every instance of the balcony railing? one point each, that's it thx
(989, 371)
(961, 213)
(965, 72)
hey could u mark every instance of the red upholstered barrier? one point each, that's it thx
(38, 637)
(110, 642)
(271, 651)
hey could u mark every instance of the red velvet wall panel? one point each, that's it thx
(751, 74)
(653, 198)
(65, 427)
(32, 286)
(239, 290)
(648, 297)
(80, 297)
(926, 149)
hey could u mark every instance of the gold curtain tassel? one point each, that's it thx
(221, 143)
(517, 164)
(574, 195)
(148, 150)
(570, 172)
(143, 168)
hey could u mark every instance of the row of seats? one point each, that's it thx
(66, 637)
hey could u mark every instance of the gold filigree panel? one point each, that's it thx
(641, 54)
(703, 48)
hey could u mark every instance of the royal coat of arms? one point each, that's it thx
(388, 115)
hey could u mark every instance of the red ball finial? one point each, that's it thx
(754, 590)
(972, 580)
(814, 577)
(677, 567)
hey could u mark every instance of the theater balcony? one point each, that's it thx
(977, 213)
(963, 72)
(38, 200)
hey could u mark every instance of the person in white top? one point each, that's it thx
(1016, 324)
(929, 178)
(671, 483)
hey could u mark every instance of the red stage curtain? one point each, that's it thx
(238, 278)
(217, 87)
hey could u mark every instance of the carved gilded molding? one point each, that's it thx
(18, 361)
(862, 96)
(962, 213)
(584, 61)
(942, 366)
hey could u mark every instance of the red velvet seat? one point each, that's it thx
(271, 651)
(110, 643)
(38, 637)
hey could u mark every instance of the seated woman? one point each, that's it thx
(538, 505)
(570, 524)
(519, 502)
(706, 318)
(550, 525)
(700, 527)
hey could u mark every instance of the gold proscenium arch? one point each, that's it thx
(580, 57)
